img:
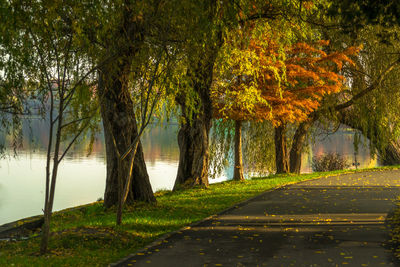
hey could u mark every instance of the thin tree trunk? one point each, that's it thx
(49, 201)
(238, 167)
(281, 156)
(46, 222)
(298, 145)
(124, 190)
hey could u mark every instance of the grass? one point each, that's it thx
(89, 237)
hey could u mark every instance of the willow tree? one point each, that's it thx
(372, 104)
(125, 38)
(122, 41)
(13, 93)
(59, 74)
(148, 91)
(375, 23)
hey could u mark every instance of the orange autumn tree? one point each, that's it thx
(281, 83)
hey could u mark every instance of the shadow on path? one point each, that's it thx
(331, 221)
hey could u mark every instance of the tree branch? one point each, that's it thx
(370, 88)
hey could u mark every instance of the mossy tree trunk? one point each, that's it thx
(194, 133)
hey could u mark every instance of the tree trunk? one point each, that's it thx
(281, 156)
(196, 124)
(193, 153)
(117, 112)
(298, 144)
(140, 188)
(51, 190)
(119, 123)
(238, 168)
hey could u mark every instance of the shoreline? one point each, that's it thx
(87, 235)
(32, 223)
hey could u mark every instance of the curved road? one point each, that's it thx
(333, 221)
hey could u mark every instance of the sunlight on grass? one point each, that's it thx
(88, 236)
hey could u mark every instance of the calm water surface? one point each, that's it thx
(81, 178)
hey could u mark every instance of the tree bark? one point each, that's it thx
(281, 156)
(193, 142)
(119, 123)
(298, 145)
(117, 112)
(196, 124)
(193, 157)
(238, 167)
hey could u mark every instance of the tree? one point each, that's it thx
(211, 21)
(373, 107)
(194, 98)
(117, 105)
(57, 73)
(370, 102)
(123, 42)
(283, 83)
(150, 88)
(128, 31)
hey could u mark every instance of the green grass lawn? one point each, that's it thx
(89, 237)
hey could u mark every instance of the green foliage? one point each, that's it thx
(329, 162)
(38, 52)
(221, 151)
(355, 14)
(376, 114)
(259, 148)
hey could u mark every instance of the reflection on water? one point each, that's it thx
(82, 178)
(22, 185)
(341, 143)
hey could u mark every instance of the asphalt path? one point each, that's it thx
(333, 221)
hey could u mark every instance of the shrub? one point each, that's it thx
(329, 162)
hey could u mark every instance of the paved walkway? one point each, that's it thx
(332, 221)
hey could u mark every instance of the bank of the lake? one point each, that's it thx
(81, 178)
(89, 237)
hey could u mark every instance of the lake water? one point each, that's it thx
(81, 178)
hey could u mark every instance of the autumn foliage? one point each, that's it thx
(287, 83)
